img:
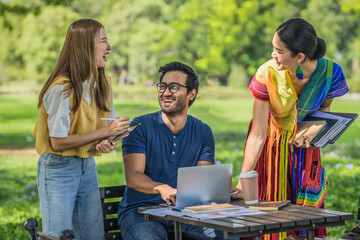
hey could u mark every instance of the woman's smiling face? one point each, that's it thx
(102, 48)
(282, 55)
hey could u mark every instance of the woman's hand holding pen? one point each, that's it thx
(118, 126)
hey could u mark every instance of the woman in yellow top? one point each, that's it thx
(295, 83)
(72, 102)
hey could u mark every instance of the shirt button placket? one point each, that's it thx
(173, 152)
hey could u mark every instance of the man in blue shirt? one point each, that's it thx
(165, 141)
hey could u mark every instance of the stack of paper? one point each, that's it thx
(211, 208)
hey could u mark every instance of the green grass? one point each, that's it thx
(19, 200)
(18, 192)
(227, 111)
(17, 116)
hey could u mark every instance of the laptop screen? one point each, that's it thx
(201, 185)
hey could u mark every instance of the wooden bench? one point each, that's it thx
(110, 198)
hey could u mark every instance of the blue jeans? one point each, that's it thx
(69, 196)
(133, 226)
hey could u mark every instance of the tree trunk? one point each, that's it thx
(122, 76)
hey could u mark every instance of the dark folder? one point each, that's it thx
(351, 116)
(333, 128)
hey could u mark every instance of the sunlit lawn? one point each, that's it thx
(228, 112)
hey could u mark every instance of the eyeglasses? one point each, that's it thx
(173, 87)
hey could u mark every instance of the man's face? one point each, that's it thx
(174, 103)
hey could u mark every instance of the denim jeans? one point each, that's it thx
(133, 226)
(69, 196)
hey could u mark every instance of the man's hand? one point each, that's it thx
(236, 193)
(106, 146)
(167, 193)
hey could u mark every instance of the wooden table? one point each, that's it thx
(291, 218)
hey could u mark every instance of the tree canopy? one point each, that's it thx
(224, 40)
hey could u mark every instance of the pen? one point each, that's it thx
(110, 119)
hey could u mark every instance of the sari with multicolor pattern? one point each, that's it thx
(279, 159)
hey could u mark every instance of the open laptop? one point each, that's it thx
(201, 185)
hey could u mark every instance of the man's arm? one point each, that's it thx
(203, 163)
(138, 180)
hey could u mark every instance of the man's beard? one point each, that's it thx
(171, 112)
(177, 110)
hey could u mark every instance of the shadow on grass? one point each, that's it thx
(17, 140)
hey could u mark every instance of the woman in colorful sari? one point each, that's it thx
(295, 83)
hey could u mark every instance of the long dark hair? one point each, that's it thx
(77, 63)
(300, 37)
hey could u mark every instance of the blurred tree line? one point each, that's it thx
(224, 40)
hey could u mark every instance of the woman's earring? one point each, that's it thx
(299, 73)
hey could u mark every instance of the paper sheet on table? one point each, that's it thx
(241, 211)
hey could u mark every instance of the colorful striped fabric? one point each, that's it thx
(275, 86)
(286, 108)
(315, 91)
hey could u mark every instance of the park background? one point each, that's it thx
(224, 40)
